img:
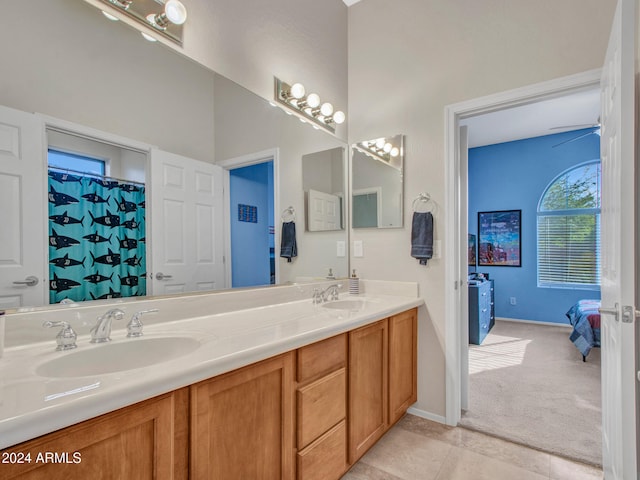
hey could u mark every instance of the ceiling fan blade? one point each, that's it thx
(574, 139)
(583, 125)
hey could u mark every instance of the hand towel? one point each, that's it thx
(288, 245)
(422, 236)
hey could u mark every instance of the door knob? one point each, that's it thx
(162, 276)
(30, 281)
(610, 311)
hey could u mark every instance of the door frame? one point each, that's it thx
(456, 248)
(90, 133)
(263, 156)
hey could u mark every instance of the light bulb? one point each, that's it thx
(151, 18)
(297, 91)
(380, 143)
(339, 117)
(387, 147)
(109, 16)
(175, 11)
(313, 100)
(326, 109)
(394, 152)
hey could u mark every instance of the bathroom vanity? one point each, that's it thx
(303, 397)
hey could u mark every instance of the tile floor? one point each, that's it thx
(418, 449)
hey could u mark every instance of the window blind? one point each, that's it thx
(569, 250)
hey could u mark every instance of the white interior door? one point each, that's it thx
(324, 211)
(23, 243)
(464, 267)
(618, 249)
(186, 224)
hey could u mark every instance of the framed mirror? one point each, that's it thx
(377, 192)
(324, 189)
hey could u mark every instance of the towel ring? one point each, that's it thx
(424, 199)
(288, 212)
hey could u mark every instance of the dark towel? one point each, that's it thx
(422, 236)
(288, 245)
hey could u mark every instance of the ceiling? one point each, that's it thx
(576, 110)
(348, 3)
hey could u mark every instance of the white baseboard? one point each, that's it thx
(533, 322)
(428, 415)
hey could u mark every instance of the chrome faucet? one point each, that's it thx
(101, 331)
(66, 338)
(134, 327)
(321, 296)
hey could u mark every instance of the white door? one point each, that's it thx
(23, 242)
(186, 225)
(324, 211)
(463, 215)
(618, 249)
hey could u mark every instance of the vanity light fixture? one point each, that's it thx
(165, 17)
(308, 107)
(380, 148)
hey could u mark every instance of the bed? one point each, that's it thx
(584, 316)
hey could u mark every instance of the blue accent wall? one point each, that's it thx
(250, 242)
(513, 176)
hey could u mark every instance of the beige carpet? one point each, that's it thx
(528, 384)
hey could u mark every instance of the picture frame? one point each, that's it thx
(472, 250)
(499, 238)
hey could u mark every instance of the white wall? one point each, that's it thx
(408, 59)
(65, 59)
(251, 41)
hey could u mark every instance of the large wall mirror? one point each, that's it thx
(377, 185)
(142, 106)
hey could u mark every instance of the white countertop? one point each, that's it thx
(33, 405)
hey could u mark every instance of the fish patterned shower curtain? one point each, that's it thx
(96, 238)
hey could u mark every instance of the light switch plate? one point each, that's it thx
(357, 248)
(341, 249)
(437, 249)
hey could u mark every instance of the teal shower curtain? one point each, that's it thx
(96, 238)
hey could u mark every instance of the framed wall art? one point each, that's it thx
(499, 238)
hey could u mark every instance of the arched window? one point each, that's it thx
(569, 229)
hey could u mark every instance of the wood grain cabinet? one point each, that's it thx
(368, 387)
(242, 423)
(322, 409)
(148, 440)
(403, 363)
(382, 378)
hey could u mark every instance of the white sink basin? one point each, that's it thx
(353, 304)
(117, 357)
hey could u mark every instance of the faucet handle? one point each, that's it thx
(66, 338)
(134, 327)
(334, 291)
(317, 296)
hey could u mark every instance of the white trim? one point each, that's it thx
(456, 246)
(269, 155)
(534, 322)
(424, 414)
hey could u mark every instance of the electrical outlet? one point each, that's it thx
(341, 248)
(512, 300)
(357, 248)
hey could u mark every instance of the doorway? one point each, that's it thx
(251, 185)
(457, 170)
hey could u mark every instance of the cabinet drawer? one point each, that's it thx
(326, 458)
(322, 357)
(321, 405)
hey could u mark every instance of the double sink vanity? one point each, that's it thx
(256, 383)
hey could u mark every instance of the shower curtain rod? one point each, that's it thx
(87, 174)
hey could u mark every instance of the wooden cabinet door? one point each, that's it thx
(242, 423)
(368, 373)
(403, 354)
(148, 440)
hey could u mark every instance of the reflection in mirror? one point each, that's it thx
(377, 187)
(210, 120)
(323, 185)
